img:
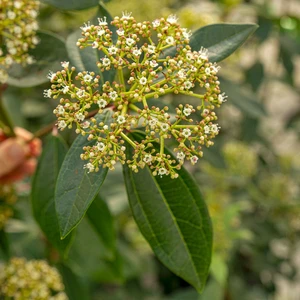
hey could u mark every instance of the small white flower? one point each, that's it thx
(87, 78)
(86, 27)
(143, 80)
(137, 52)
(206, 129)
(100, 146)
(189, 56)
(65, 89)
(102, 103)
(172, 19)
(100, 32)
(65, 64)
(121, 119)
(215, 69)
(222, 98)
(156, 23)
(12, 51)
(120, 32)
(193, 69)
(203, 53)
(151, 49)
(194, 159)
(18, 4)
(61, 124)
(51, 76)
(130, 42)
(59, 110)
(80, 93)
(187, 111)
(85, 124)
(90, 167)
(152, 123)
(207, 71)
(112, 50)
(80, 117)
(48, 93)
(11, 15)
(102, 22)
(186, 132)
(214, 128)
(164, 126)
(113, 95)
(207, 85)
(187, 85)
(106, 62)
(126, 15)
(162, 171)
(153, 63)
(17, 29)
(170, 40)
(147, 158)
(181, 74)
(95, 45)
(180, 156)
(186, 34)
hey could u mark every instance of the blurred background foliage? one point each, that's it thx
(250, 178)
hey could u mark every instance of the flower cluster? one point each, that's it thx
(18, 28)
(150, 59)
(34, 279)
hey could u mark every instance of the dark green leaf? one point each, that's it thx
(86, 59)
(48, 54)
(255, 75)
(75, 188)
(221, 40)
(173, 218)
(103, 223)
(72, 4)
(4, 243)
(42, 194)
(243, 99)
(265, 28)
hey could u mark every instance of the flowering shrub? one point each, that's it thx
(140, 57)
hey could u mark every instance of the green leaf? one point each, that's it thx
(86, 59)
(219, 269)
(243, 99)
(173, 218)
(221, 40)
(42, 194)
(4, 243)
(48, 54)
(72, 4)
(255, 75)
(103, 223)
(75, 188)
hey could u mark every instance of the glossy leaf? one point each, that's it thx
(76, 189)
(101, 219)
(48, 54)
(173, 218)
(221, 40)
(72, 4)
(87, 58)
(42, 194)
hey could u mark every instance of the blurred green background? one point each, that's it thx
(250, 178)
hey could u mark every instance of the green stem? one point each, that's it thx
(184, 126)
(127, 139)
(134, 107)
(192, 95)
(121, 79)
(162, 145)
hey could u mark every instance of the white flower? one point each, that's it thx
(11, 15)
(137, 52)
(65, 89)
(102, 103)
(80, 117)
(164, 126)
(59, 110)
(207, 85)
(215, 69)
(193, 69)
(143, 80)
(172, 19)
(186, 132)
(214, 128)
(180, 156)
(203, 53)
(87, 78)
(51, 76)
(126, 15)
(187, 111)
(47, 93)
(17, 4)
(147, 158)
(207, 71)
(120, 32)
(130, 41)
(65, 64)
(194, 159)
(181, 74)
(153, 63)
(100, 146)
(151, 49)
(189, 55)
(86, 27)
(100, 32)
(61, 124)
(162, 171)
(152, 123)
(170, 40)
(187, 85)
(85, 124)
(90, 167)
(113, 95)
(206, 129)
(106, 62)
(112, 50)
(222, 98)
(121, 119)
(156, 23)
(80, 93)
(95, 45)
(186, 34)
(17, 29)
(102, 22)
